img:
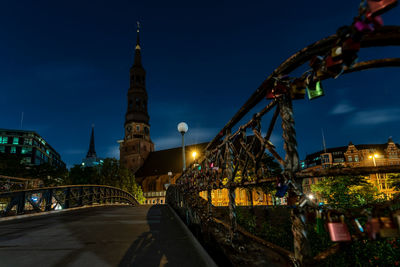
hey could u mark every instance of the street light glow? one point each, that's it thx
(194, 154)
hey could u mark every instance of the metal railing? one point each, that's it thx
(154, 194)
(235, 159)
(61, 197)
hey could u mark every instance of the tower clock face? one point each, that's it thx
(129, 128)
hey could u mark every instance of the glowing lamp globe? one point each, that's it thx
(183, 127)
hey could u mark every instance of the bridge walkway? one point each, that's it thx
(101, 236)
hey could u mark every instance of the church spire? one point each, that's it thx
(91, 153)
(138, 57)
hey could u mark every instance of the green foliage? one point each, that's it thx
(346, 191)
(278, 234)
(357, 253)
(394, 180)
(110, 173)
(246, 219)
(10, 165)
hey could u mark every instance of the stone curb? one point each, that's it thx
(209, 262)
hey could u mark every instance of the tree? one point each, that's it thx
(10, 165)
(110, 173)
(347, 191)
(394, 180)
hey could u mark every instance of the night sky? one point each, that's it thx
(65, 65)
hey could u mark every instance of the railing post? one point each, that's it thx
(231, 190)
(91, 192)
(302, 248)
(67, 193)
(49, 199)
(80, 197)
(21, 203)
(209, 200)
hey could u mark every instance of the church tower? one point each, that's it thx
(137, 144)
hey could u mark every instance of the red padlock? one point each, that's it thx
(278, 90)
(334, 67)
(378, 7)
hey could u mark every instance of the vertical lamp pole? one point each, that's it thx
(183, 128)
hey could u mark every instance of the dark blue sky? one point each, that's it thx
(65, 64)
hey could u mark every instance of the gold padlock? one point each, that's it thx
(387, 227)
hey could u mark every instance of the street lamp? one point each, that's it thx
(169, 180)
(373, 157)
(194, 156)
(183, 128)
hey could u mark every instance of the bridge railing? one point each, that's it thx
(236, 157)
(61, 197)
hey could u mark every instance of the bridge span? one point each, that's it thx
(101, 236)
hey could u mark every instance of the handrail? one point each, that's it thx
(62, 197)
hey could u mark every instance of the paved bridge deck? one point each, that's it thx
(102, 236)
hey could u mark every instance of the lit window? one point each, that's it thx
(3, 140)
(28, 141)
(26, 160)
(26, 150)
(349, 158)
(138, 128)
(355, 158)
(13, 150)
(2, 149)
(15, 141)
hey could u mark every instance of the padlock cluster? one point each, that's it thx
(343, 55)
(345, 226)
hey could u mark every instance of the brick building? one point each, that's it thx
(363, 155)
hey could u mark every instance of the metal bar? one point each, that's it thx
(21, 203)
(272, 123)
(348, 171)
(48, 196)
(383, 36)
(67, 194)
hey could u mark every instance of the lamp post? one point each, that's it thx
(169, 181)
(183, 128)
(373, 157)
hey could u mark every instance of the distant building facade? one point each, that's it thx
(153, 177)
(30, 146)
(136, 145)
(365, 155)
(91, 159)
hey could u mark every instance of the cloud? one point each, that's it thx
(193, 136)
(377, 116)
(342, 108)
(112, 152)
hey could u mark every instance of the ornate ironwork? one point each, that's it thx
(62, 197)
(236, 159)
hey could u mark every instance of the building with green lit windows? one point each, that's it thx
(30, 146)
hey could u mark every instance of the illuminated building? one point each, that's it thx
(366, 155)
(136, 145)
(30, 146)
(91, 159)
